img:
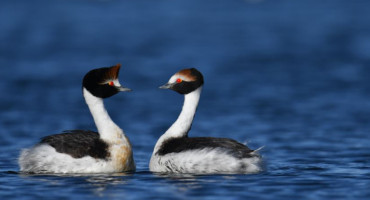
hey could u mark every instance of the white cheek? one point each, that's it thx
(172, 79)
(116, 82)
(175, 77)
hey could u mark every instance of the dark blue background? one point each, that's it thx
(292, 76)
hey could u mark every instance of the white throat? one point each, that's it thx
(107, 129)
(182, 125)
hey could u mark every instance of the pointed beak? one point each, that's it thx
(166, 86)
(123, 89)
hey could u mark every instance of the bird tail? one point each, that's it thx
(257, 150)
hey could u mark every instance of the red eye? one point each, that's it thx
(179, 80)
(111, 83)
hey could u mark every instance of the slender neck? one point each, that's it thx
(107, 129)
(183, 123)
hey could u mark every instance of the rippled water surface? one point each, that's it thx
(292, 76)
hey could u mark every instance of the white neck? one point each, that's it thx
(183, 123)
(107, 129)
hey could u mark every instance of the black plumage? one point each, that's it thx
(94, 81)
(78, 144)
(185, 87)
(182, 144)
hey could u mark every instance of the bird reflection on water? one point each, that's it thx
(185, 184)
(97, 184)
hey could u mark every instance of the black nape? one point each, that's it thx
(95, 81)
(186, 87)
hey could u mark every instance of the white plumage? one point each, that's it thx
(85, 151)
(175, 152)
(204, 161)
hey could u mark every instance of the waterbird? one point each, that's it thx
(83, 151)
(175, 152)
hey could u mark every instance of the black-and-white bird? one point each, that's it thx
(175, 152)
(79, 151)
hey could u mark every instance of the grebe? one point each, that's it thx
(175, 152)
(79, 151)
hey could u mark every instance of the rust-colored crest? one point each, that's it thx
(112, 72)
(186, 73)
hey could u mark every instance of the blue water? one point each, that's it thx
(292, 76)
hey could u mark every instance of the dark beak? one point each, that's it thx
(166, 86)
(123, 89)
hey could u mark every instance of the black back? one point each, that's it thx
(78, 143)
(182, 144)
(93, 82)
(185, 87)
